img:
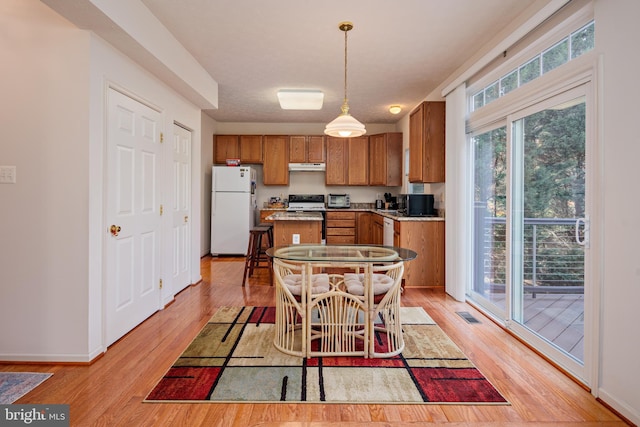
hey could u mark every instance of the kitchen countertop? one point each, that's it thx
(386, 213)
(394, 215)
(294, 216)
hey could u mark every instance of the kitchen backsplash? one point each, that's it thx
(314, 183)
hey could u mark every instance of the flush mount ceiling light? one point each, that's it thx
(345, 126)
(395, 109)
(300, 99)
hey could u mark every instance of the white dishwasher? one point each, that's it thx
(387, 237)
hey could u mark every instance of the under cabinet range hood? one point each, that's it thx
(307, 167)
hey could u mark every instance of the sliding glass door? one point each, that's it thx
(531, 226)
(490, 219)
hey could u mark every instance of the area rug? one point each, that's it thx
(14, 385)
(233, 359)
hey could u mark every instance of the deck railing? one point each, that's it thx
(552, 260)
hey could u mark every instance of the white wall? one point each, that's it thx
(44, 216)
(209, 127)
(54, 89)
(616, 28)
(110, 68)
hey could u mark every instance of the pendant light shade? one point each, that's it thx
(345, 125)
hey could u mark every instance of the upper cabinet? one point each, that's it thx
(247, 148)
(251, 148)
(385, 159)
(276, 160)
(337, 161)
(306, 149)
(358, 166)
(427, 143)
(347, 161)
(364, 160)
(225, 147)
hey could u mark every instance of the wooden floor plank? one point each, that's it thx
(111, 391)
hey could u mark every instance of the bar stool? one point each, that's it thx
(270, 241)
(256, 256)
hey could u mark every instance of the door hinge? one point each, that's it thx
(160, 283)
(161, 210)
(161, 137)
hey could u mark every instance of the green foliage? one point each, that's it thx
(554, 188)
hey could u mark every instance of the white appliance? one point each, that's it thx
(233, 207)
(387, 235)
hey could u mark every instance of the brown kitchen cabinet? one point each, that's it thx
(426, 238)
(363, 227)
(347, 161)
(377, 230)
(337, 161)
(225, 147)
(396, 233)
(306, 149)
(341, 227)
(250, 149)
(247, 148)
(358, 161)
(427, 143)
(307, 231)
(385, 159)
(275, 169)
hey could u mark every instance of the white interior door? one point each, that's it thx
(133, 224)
(181, 204)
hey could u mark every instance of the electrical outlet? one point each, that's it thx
(7, 174)
(296, 239)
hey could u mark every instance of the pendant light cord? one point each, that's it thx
(346, 27)
(345, 66)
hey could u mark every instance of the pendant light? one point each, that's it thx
(345, 125)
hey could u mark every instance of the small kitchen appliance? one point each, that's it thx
(339, 201)
(416, 205)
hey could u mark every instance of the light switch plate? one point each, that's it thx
(7, 174)
(296, 239)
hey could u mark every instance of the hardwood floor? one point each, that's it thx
(110, 391)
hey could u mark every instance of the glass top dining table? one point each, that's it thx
(341, 253)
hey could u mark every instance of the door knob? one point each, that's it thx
(115, 229)
(186, 218)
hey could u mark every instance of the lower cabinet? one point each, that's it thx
(363, 227)
(426, 238)
(341, 227)
(377, 230)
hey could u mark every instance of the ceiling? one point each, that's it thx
(399, 52)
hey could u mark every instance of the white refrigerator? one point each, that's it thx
(233, 206)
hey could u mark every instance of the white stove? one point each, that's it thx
(306, 203)
(309, 203)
